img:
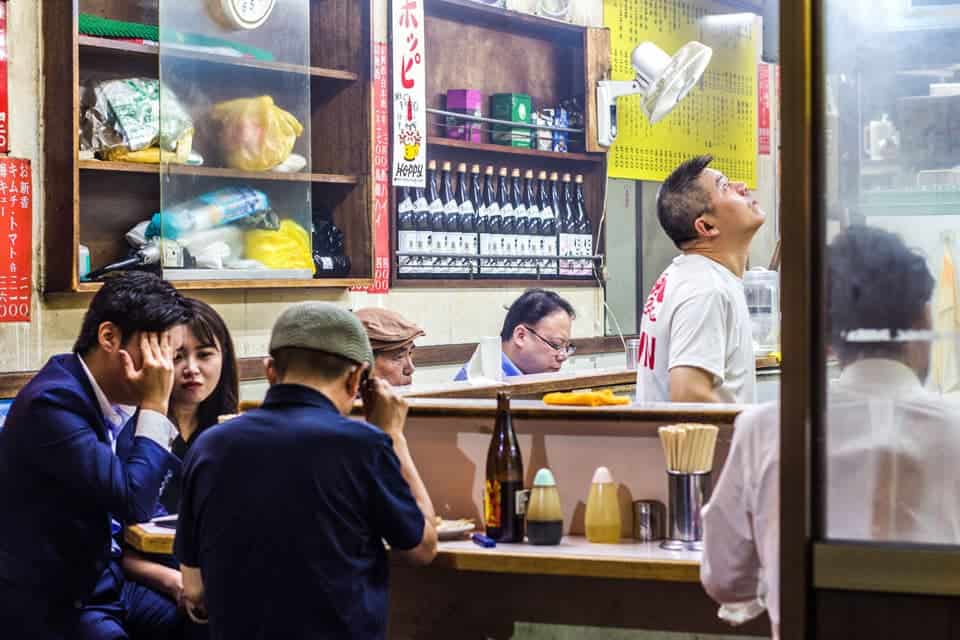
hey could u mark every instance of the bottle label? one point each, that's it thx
(451, 207)
(420, 205)
(506, 209)
(436, 206)
(405, 206)
(466, 207)
(491, 504)
(493, 209)
(521, 499)
(520, 210)
(408, 241)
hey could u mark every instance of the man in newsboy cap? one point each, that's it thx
(391, 336)
(284, 509)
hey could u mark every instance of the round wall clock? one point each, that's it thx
(241, 14)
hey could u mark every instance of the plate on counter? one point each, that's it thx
(455, 529)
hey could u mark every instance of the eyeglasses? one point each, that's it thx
(566, 349)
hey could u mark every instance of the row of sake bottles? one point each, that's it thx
(495, 224)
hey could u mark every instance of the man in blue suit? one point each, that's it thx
(61, 482)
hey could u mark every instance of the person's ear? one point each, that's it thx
(109, 337)
(354, 378)
(519, 334)
(270, 368)
(705, 227)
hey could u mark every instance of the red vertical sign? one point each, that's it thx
(381, 175)
(763, 109)
(4, 119)
(16, 218)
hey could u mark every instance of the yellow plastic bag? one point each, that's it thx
(286, 248)
(255, 134)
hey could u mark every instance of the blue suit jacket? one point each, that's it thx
(60, 482)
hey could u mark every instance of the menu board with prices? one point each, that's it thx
(16, 216)
(718, 117)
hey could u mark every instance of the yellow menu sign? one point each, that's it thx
(718, 117)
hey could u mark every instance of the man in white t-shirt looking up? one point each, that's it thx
(696, 343)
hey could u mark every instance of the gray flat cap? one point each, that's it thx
(323, 327)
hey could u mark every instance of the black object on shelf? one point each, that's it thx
(328, 246)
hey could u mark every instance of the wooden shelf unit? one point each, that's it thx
(215, 172)
(96, 44)
(473, 46)
(95, 202)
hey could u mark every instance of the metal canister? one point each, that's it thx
(649, 520)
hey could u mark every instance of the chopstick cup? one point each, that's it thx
(689, 448)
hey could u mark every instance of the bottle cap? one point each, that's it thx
(529, 174)
(446, 166)
(475, 169)
(544, 478)
(515, 173)
(503, 171)
(432, 165)
(542, 175)
(566, 177)
(602, 476)
(462, 167)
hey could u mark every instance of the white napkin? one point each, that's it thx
(485, 365)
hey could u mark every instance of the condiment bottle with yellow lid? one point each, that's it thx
(544, 518)
(603, 510)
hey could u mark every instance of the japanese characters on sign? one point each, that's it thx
(409, 94)
(719, 116)
(381, 167)
(4, 99)
(763, 109)
(16, 195)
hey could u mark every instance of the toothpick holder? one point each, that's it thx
(686, 495)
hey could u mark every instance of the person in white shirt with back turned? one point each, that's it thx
(891, 446)
(696, 344)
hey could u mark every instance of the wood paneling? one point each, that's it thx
(60, 77)
(432, 602)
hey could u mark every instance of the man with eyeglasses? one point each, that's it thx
(696, 343)
(536, 334)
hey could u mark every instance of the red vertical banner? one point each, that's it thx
(4, 98)
(381, 171)
(763, 109)
(16, 248)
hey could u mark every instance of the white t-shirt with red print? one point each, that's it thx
(696, 316)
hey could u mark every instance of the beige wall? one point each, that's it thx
(448, 315)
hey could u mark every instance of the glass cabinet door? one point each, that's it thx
(235, 137)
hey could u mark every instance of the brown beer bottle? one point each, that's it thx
(504, 500)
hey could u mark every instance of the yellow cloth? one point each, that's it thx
(585, 398)
(944, 362)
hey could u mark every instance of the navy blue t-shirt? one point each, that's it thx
(284, 510)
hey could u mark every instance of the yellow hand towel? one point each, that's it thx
(585, 398)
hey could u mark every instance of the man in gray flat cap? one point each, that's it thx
(284, 509)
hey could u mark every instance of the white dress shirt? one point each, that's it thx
(150, 424)
(892, 474)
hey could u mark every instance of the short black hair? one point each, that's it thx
(135, 301)
(681, 200)
(531, 307)
(321, 364)
(874, 281)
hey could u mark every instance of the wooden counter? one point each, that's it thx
(575, 556)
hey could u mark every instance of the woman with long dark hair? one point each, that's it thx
(206, 385)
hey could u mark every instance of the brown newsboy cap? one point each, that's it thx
(388, 330)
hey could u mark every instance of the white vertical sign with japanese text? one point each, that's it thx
(409, 94)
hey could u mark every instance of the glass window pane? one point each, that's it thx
(891, 166)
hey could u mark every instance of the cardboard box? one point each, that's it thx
(514, 107)
(469, 102)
